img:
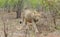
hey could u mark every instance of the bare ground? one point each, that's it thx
(14, 26)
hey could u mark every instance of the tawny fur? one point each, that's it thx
(30, 15)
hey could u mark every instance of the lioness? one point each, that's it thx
(31, 16)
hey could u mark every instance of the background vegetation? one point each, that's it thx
(11, 9)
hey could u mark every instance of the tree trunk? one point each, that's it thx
(19, 8)
(18, 14)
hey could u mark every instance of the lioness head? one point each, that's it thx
(36, 16)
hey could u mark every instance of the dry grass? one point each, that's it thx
(15, 29)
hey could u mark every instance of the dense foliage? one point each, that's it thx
(34, 3)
